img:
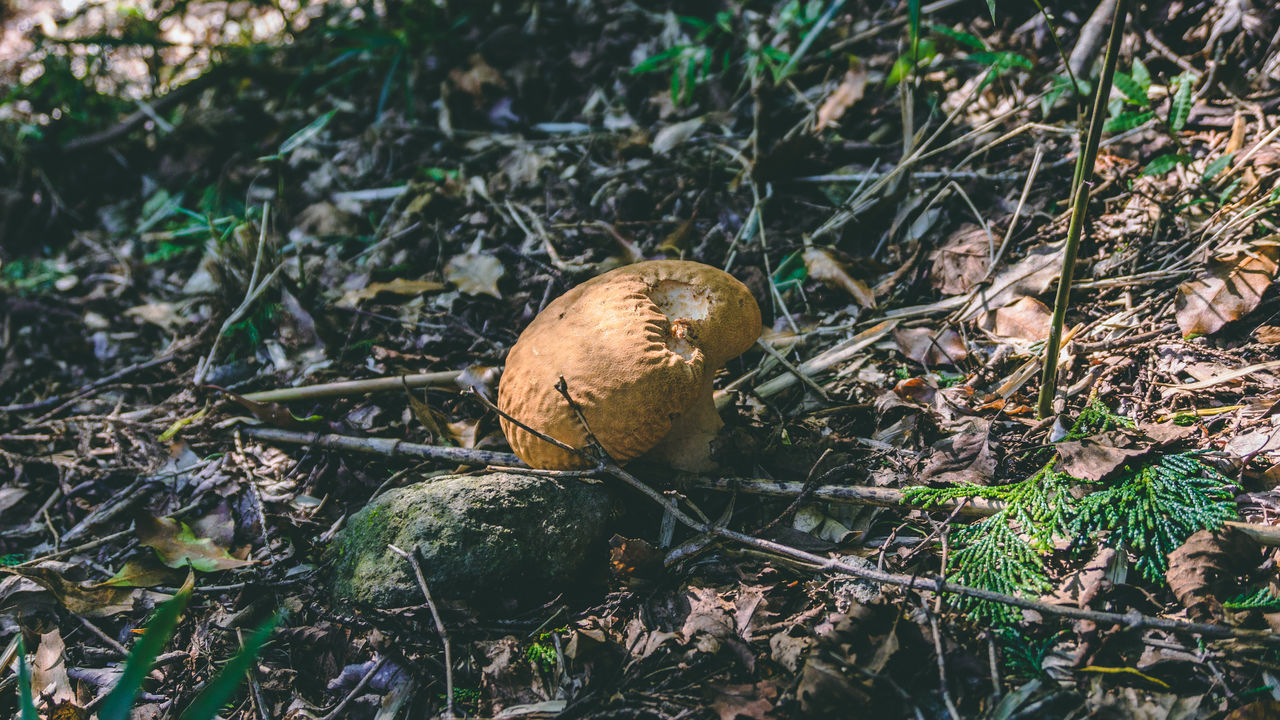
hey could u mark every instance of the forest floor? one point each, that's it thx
(207, 200)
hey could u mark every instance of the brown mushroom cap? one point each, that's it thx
(638, 347)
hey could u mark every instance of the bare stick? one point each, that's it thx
(875, 496)
(382, 446)
(338, 711)
(435, 615)
(353, 387)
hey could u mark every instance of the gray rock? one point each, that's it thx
(499, 536)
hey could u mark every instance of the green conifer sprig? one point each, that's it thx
(1152, 510)
(1148, 511)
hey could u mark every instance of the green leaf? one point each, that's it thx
(119, 701)
(657, 62)
(1001, 60)
(991, 8)
(1180, 109)
(1162, 164)
(913, 15)
(307, 133)
(1133, 91)
(963, 38)
(177, 545)
(1221, 163)
(25, 700)
(1128, 121)
(219, 690)
(1141, 76)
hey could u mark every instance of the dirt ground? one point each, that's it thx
(206, 201)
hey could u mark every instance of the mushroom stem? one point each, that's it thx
(688, 444)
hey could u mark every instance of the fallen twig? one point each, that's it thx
(353, 387)
(435, 615)
(872, 496)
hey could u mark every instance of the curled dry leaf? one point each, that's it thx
(396, 289)
(475, 273)
(1230, 288)
(177, 546)
(848, 92)
(930, 348)
(961, 262)
(1031, 276)
(86, 600)
(1206, 569)
(669, 137)
(49, 670)
(825, 268)
(1026, 320)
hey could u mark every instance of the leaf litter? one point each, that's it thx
(430, 202)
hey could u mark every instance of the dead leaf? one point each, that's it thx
(1097, 457)
(671, 136)
(162, 314)
(968, 456)
(1259, 710)
(49, 671)
(475, 274)
(10, 496)
(1027, 319)
(87, 600)
(177, 546)
(1031, 276)
(144, 572)
(745, 701)
(474, 79)
(930, 349)
(1206, 569)
(1230, 288)
(826, 269)
(850, 90)
(400, 288)
(961, 262)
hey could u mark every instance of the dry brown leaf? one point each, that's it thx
(144, 572)
(475, 273)
(473, 80)
(1230, 288)
(177, 546)
(162, 314)
(1027, 319)
(968, 456)
(825, 268)
(49, 670)
(845, 95)
(1031, 276)
(1206, 568)
(86, 600)
(745, 701)
(399, 287)
(961, 262)
(929, 348)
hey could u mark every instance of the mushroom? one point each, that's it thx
(638, 348)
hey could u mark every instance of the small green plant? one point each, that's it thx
(541, 654)
(1148, 511)
(119, 701)
(1260, 599)
(717, 45)
(1133, 109)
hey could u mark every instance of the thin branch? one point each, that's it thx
(435, 615)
